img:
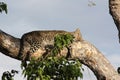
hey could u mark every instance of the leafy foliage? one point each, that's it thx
(3, 7)
(9, 75)
(53, 67)
(61, 41)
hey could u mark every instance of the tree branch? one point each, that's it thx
(9, 45)
(93, 58)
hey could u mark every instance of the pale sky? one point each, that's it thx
(95, 23)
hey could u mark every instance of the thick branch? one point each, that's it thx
(9, 45)
(93, 58)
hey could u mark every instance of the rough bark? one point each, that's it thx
(114, 9)
(82, 50)
(94, 59)
(9, 45)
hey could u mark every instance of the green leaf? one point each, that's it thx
(3, 7)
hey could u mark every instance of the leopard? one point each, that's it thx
(33, 41)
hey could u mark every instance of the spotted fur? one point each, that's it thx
(32, 41)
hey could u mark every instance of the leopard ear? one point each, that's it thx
(77, 31)
(77, 34)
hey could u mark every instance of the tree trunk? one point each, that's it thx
(114, 9)
(82, 50)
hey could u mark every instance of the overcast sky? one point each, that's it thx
(95, 23)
